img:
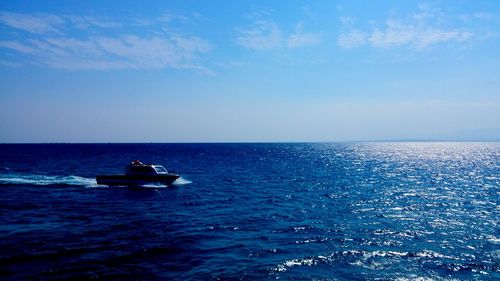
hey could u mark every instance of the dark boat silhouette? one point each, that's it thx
(138, 174)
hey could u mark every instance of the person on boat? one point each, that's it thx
(136, 162)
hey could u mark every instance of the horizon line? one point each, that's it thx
(263, 142)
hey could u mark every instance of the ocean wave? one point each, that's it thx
(33, 179)
(367, 259)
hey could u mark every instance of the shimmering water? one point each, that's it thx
(342, 211)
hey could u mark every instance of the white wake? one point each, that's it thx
(33, 179)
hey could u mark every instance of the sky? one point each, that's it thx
(249, 71)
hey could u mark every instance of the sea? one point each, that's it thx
(253, 211)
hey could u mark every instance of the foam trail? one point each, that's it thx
(178, 182)
(181, 181)
(153, 185)
(33, 179)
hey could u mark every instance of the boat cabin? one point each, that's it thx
(138, 168)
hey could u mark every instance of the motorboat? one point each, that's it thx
(139, 174)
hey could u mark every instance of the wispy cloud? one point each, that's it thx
(399, 34)
(417, 31)
(40, 23)
(49, 45)
(266, 34)
(300, 38)
(43, 23)
(352, 38)
(113, 52)
(167, 18)
(183, 17)
(85, 21)
(17, 46)
(263, 35)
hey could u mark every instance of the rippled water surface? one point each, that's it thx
(342, 211)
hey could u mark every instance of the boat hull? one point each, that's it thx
(136, 180)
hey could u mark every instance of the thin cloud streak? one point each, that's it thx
(39, 24)
(396, 34)
(49, 46)
(265, 35)
(419, 31)
(43, 23)
(85, 22)
(114, 52)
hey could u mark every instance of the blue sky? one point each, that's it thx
(211, 71)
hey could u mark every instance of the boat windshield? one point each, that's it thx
(160, 170)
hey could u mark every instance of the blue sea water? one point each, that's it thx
(324, 211)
